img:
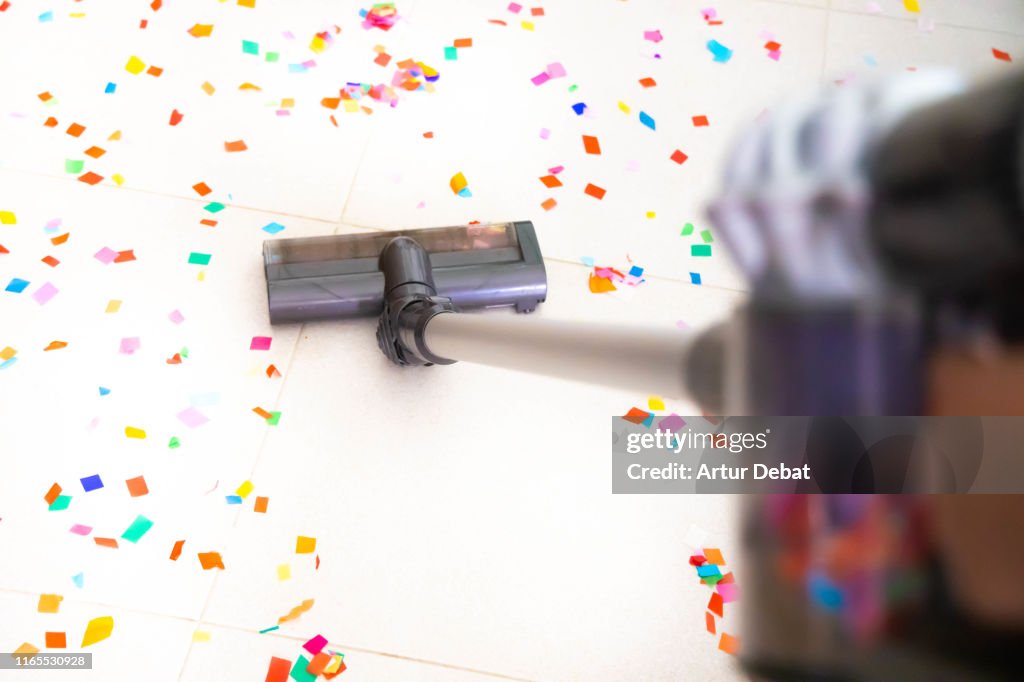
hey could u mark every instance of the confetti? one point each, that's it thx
(90, 483)
(273, 228)
(132, 432)
(98, 630)
(720, 52)
(45, 293)
(49, 603)
(139, 527)
(8, 218)
(56, 640)
(591, 145)
(646, 119)
(135, 66)
(653, 36)
(912, 6)
(201, 30)
(679, 157)
(295, 613)
(278, 670)
(137, 486)
(304, 545)
(236, 146)
(284, 572)
(196, 258)
(1002, 56)
(315, 645)
(176, 550)
(260, 507)
(594, 191)
(191, 417)
(210, 560)
(260, 343)
(459, 185)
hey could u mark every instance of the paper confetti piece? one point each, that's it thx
(912, 6)
(318, 664)
(8, 218)
(56, 640)
(278, 669)
(646, 119)
(284, 572)
(191, 417)
(260, 343)
(295, 613)
(653, 36)
(196, 258)
(594, 191)
(201, 636)
(135, 66)
(648, 82)
(78, 579)
(137, 486)
(315, 645)
(90, 178)
(1002, 56)
(458, 183)
(273, 228)
(55, 489)
(176, 117)
(713, 556)
(113, 305)
(304, 545)
(26, 649)
(235, 146)
(139, 527)
(260, 507)
(176, 550)
(60, 504)
(591, 145)
(44, 293)
(106, 542)
(679, 157)
(133, 432)
(16, 285)
(209, 560)
(56, 345)
(49, 603)
(98, 630)
(729, 644)
(272, 372)
(720, 52)
(201, 30)
(90, 483)
(548, 204)
(176, 317)
(709, 622)
(208, 88)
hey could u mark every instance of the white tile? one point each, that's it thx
(59, 428)
(141, 645)
(1004, 16)
(464, 514)
(236, 654)
(861, 45)
(494, 139)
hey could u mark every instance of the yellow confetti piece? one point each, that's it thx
(458, 183)
(623, 107)
(912, 5)
(26, 649)
(133, 432)
(208, 88)
(98, 630)
(296, 612)
(284, 572)
(655, 403)
(651, 215)
(304, 545)
(287, 102)
(113, 305)
(244, 489)
(318, 44)
(8, 218)
(351, 106)
(49, 603)
(135, 65)
(201, 30)
(7, 353)
(200, 636)
(118, 179)
(527, 25)
(251, 4)
(249, 86)
(56, 345)
(334, 664)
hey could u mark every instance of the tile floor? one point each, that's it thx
(464, 525)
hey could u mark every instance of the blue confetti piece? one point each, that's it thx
(90, 483)
(46, 16)
(233, 499)
(110, 89)
(579, 108)
(78, 580)
(695, 278)
(647, 120)
(297, 68)
(465, 193)
(104, 390)
(17, 286)
(649, 421)
(363, 13)
(8, 363)
(636, 271)
(273, 228)
(587, 260)
(708, 570)
(721, 53)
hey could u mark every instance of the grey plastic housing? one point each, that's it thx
(336, 277)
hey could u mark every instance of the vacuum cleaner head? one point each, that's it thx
(476, 266)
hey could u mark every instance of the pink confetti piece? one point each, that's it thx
(176, 317)
(555, 170)
(191, 417)
(729, 591)
(653, 36)
(44, 293)
(105, 255)
(545, 133)
(79, 529)
(541, 78)
(260, 343)
(315, 645)
(515, 8)
(130, 344)
(555, 70)
(775, 54)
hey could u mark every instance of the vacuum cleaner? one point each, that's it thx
(877, 223)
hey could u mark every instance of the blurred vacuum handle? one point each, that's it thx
(639, 359)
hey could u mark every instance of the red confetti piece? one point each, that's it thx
(176, 117)
(49, 260)
(636, 415)
(700, 121)
(648, 82)
(679, 157)
(90, 178)
(594, 191)
(1002, 56)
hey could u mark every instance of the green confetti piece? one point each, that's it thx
(214, 207)
(573, 87)
(61, 503)
(140, 526)
(73, 165)
(271, 56)
(183, 352)
(249, 47)
(274, 418)
(706, 236)
(270, 629)
(299, 673)
(196, 258)
(711, 580)
(451, 53)
(687, 230)
(175, 443)
(700, 250)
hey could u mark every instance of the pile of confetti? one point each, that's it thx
(708, 565)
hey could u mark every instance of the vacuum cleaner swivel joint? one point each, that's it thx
(410, 302)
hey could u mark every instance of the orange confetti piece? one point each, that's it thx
(54, 492)
(95, 152)
(201, 188)
(154, 71)
(548, 204)
(251, 4)
(137, 486)
(56, 640)
(90, 178)
(201, 30)
(60, 239)
(261, 505)
(648, 82)
(45, 96)
(594, 191)
(106, 542)
(296, 612)
(176, 550)
(551, 181)
(382, 59)
(1001, 56)
(319, 662)
(51, 122)
(729, 644)
(49, 603)
(429, 135)
(715, 605)
(679, 157)
(176, 117)
(591, 145)
(330, 102)
(304, 545)
(56, 345)
(249, 86)
(208, 222)
(714, 556)
(125, 256)
(208, 89)
(601, 285)
(261, 412)
(278, 670)
(210, 560)
(709, 622)
(272, 372)
(236, 146)
(26, 649)
(463, 42)
(49, 260)
(75, 130)
(700, 121)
